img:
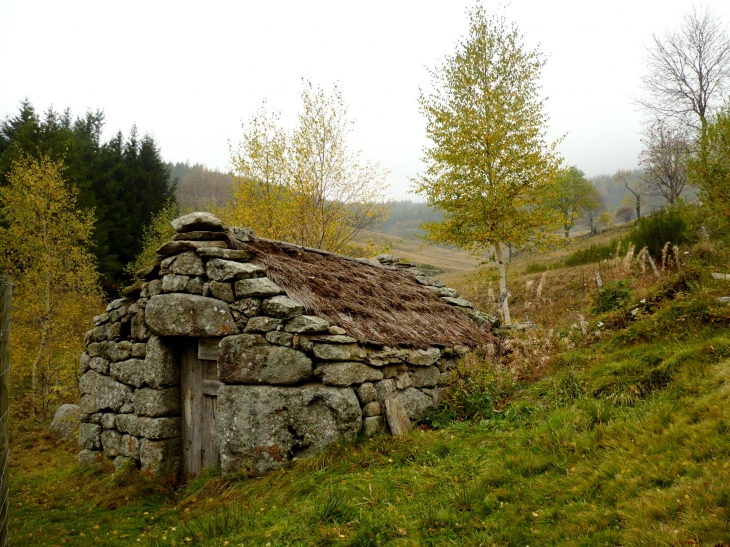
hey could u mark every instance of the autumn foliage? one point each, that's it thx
(44, 249)
(488, 166)
(305, 186)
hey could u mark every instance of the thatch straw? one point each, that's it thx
(371, 303)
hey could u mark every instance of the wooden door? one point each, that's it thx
(199, 391)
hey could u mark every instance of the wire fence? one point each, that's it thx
(6, 291)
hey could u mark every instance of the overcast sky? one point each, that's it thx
(189, 72)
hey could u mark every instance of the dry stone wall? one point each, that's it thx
(292, 383)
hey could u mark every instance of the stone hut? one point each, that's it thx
(248, 353)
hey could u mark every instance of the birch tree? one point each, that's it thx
(44, 247)
(337, 195)
(262, 197)
(306, 185)
(489, 167)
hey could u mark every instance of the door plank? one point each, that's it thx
(199, 389)
(208, 349)
(209, 431)
(192, 400)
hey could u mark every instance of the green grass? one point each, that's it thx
(625, 441)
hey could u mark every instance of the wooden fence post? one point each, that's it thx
(6, 291)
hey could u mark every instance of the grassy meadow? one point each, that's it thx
(610, 430)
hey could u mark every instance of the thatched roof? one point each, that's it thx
(370, 302)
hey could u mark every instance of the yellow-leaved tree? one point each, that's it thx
(158, 232)
(262, 196)
(489, 168)
(44, 248)
(306, 186)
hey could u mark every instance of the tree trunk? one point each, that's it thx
(503, 294)
(46, 321)
(37, 362)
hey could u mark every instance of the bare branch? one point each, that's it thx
(688, 71)
(664, 160)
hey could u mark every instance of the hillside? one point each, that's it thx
(614, 431)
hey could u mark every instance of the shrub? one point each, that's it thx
(662, 227)
(535, 268)
(557, 265)
(474, 393)
(612, 296)
(595, 253)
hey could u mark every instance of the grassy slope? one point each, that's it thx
(625, 440)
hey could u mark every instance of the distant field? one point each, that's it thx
(450, 260)
(414, 250)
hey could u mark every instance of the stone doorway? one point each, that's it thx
(199, 393)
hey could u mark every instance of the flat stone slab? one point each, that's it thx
(160, 428)
(348, 373)
(307, 323)
(218, 269)
(161, 369)
(161, 458)
(398, 419)
(425, 376)
(201, 236)
(226, 254)
(334, 339)
(462, 303)
(415, 402)
(187, 263)
(189, 315)
(221, 291)
(198, 221)
(372, 425)
(444, 291)
(422, 357)
(261, 286)
(281, 307)
(339, 352)
(129, 372)
(177, 247)
(484, 320)
(101, 392)
(157, 402)
(264, 427)
(372, 409)
(429, 281)
(250, 359)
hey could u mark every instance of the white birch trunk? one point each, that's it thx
(503, 294)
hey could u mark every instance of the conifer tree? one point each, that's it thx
(125, 181)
